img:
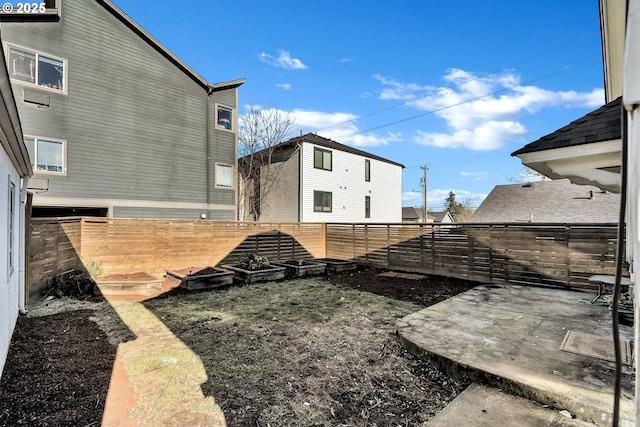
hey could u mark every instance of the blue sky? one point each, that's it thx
(453, 85)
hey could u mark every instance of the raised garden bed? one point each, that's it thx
(333, 264)
(264, 273)
(301, 267)
(138, 283)
(193, 278)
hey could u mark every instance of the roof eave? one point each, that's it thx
(159, 47)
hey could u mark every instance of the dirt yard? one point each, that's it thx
(312, 352)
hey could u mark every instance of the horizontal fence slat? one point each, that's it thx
(563, 255)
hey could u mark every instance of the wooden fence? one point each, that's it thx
(122, 246)
(562, 255)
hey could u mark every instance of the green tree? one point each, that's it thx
(460, 212)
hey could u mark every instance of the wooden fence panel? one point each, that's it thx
(561, 255)
(54, 247)
(123, 246)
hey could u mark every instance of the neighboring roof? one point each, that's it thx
(603, 124)
(160, 48)
(557, 201)
(437, 216)
(328, 143)
(410, 213)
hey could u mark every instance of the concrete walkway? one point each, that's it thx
(156, 380)
(509, 337)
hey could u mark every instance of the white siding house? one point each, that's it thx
(320, 180)
(346, 185)
(15, 169)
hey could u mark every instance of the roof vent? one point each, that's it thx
(527, 184)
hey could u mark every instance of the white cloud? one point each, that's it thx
(490, 135)
(411, 198)
(283, 60)
(397, 90)
(482, 111)
(285, 86)
(476, 176)
(338, 126)
(345, 60)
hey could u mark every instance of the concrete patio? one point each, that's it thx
(508, 338)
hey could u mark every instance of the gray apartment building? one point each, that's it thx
(116, 125)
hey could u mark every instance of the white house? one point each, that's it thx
(15, 170)
(321, 180)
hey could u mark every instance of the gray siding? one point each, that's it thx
(129, 212)
(221, 215)
(282, 202)
(134, 123)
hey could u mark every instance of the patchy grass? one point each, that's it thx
(306, 353)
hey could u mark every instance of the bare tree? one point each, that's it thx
(260, 131)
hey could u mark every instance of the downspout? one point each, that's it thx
(22, 261)
(208, 149)
(300, 182)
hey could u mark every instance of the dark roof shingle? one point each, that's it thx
(329, 143)
(557, 201)
(603, 124)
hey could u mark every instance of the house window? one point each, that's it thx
(367, 206)
(37, 69)
(367, 170)
(225, 118)
(322, 201)
(224, 176)
(322, 159)
(11, 225)
(47, 155)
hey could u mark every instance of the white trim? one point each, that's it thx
(64, 155)
(611, 146)
(65, 69)
(215, 176)
(234, 117)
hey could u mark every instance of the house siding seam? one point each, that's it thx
(134, 122)
(346, 182)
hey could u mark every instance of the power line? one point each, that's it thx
(563, 70)
(531, 58)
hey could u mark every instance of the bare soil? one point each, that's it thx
(312, 352)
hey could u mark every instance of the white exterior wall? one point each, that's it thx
(9, 281)
(346, 182)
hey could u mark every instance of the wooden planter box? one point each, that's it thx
(263, 274)
(301, 268)
(337, 264)
(138, 283)
(201, 277)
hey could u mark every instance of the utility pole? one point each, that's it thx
(423, 182)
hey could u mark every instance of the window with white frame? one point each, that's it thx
(322, 201)
(47, 155)
(322, 159)
(367, 170)
(224, 117)
(37, 68)
(224, 176)
(11, 225)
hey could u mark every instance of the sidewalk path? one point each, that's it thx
(156, 379)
